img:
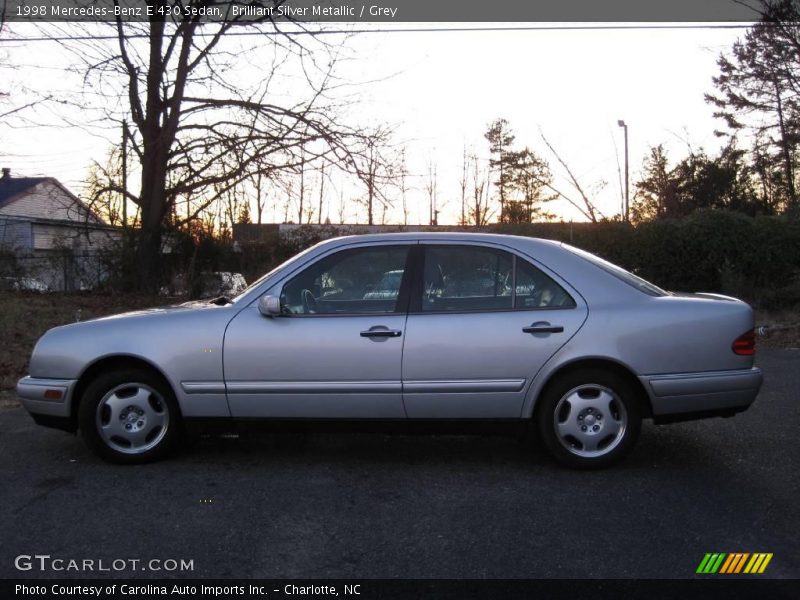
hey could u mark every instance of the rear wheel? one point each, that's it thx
(589, 419)
(129, 416)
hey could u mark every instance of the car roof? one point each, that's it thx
(447, 236)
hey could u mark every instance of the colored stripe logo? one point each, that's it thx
(734, 563)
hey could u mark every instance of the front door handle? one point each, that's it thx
(543, 327)
(375, 332)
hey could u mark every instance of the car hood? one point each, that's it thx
(153, 334)
(155, 312)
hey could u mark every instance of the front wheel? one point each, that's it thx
(129, 416)
(589, 419)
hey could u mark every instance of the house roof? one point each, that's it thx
(12, 186)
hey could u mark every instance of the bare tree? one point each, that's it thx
(342, 208)
(232, 203)
(14, 107)
(586, 207)
(102, 185)
(402, 175)
(479, 212)
(301, 197)
(374, 167)
(258, 181)
(198, 131)
(287, 201)
(321, 192)
(463, 182)
(432, 189)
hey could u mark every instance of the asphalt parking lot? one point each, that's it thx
(371, 505)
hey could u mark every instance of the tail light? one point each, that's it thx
(745, 344)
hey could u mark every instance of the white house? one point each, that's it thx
(48, 233)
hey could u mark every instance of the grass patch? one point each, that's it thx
(24, 317)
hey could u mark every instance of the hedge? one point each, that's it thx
(757, 259)
(711, 250)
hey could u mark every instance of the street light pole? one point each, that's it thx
(625, 218)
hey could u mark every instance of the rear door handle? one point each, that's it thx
(381, 333)
(543, 328)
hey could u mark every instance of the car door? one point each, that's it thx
(335, 351)
(482, 322)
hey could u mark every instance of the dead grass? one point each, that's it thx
(24, 317)
(8, 400)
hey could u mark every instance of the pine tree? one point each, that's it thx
(500, 137)
(757, 90)
(530, 177)
(244, 213)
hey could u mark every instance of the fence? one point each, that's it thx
(57, 271)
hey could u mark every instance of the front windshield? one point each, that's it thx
(632, 280)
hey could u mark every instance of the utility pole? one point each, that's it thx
(124, 174)
(321, 192)
(625, 216)
(302, 185)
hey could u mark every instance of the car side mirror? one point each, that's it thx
(269, 306)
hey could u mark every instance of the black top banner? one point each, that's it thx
(384, 11)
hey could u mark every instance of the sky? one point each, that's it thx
(439, 90)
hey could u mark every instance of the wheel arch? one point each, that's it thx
(110, 363)
(595, 362)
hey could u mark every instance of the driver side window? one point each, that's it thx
(363, 280)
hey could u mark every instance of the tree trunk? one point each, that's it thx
(786, 151)
(302, 188)
(370, 197)
(154, 205)
(154, 169)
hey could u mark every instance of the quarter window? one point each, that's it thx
(364, 280)
(537, 290)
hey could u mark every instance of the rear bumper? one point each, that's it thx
(33, 395)
(714, 392)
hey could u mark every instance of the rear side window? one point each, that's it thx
(472, 278)
(460, 278)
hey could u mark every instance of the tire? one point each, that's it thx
(589, 418)
(129, 416)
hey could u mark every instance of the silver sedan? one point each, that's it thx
(401, 328)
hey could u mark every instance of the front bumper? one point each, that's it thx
(722, 392)
(38, 396)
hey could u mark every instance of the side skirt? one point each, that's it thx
(395, 426)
